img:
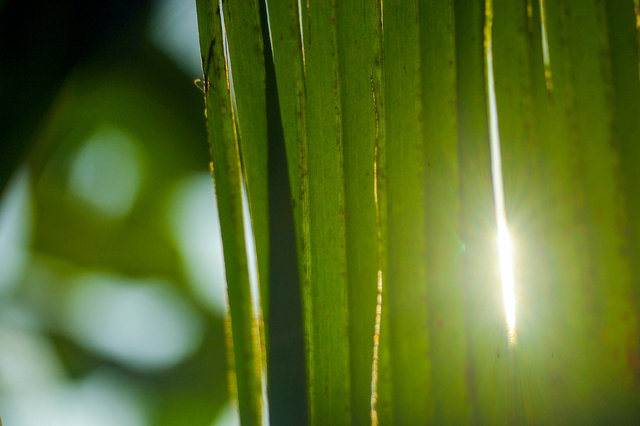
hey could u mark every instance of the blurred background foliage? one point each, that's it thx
(111, 280)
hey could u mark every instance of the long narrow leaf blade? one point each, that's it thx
(288, 58)
(359, 38)
(444, 248)
(228, 181)
(328, 339)
(484, 318)
(406, 291)
(246, 51)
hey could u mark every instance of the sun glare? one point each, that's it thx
(505, 245)
(505, 259)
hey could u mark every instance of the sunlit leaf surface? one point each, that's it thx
(462, 178)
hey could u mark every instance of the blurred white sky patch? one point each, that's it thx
(34, 390)
(27, 360)
(106, 172)
(193, 216)
(101, 399)
(15, 231)
(174, 29)
(144, 324)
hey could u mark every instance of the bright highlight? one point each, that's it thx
(505, 245)
(505, 259)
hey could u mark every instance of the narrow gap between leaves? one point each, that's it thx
(378, 318)
(545, 45)
(266, 8)
(380, 256)
(636, 8)
(504, 243)
(304, 61)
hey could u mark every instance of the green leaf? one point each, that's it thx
(286, 37)
(385, 111)
(405, 292)
(443, 247)
(563, 182)
(287, 378)
(246, 53)
(289, 68)
(598, 296)
(423, 290)
(329, 390)
(359, 52)
(228, 181)
(519, 72)
(487, 337)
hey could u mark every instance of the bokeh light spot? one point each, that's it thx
(144, 324)
(106, 172)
